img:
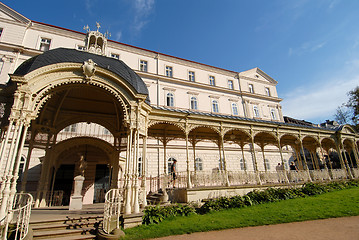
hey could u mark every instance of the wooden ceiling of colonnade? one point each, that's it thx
(328, 143)
(290, 140)
(265, 138)
(238, 136)
(310, 143)
(348, 144)
(169, 131)
(203, 133)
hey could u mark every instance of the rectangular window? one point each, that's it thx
(143, 65)
(251, 89)
(215, 107)
(169, 71)
(273, 115)
(234, 109)
(191, 76)
(256, 111)
(267, 91)
(81, 48)
(212, 81)
(1, 29)
(114, 55)
(45, 44)
(230, 84)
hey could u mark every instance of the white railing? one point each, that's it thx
(112, 210)
(319, 175)
(204, 179)
(241, 177)
(339, 174)
(298, 176)
(19, 216)
(355, 172)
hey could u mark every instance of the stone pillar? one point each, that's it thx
(282, 161)
(76, 198)
(355, 151)
(342, 163)
(244, 160)
(264, 159)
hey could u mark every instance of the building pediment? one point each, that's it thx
(258, 74)
(9, 14)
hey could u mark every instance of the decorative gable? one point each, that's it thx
(258, 74)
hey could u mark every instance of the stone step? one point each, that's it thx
(60, 233)
(77, 237)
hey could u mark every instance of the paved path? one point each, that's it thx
(346, 228)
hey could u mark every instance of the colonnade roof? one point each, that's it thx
(244, 119)
(63, 55)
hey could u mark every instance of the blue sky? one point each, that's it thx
(311, 47)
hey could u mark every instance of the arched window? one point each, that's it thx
(234, 109)
(198, 164)
(266, 162)
(215, 106)
(169, 164)
(194, 105)
(170, 99)
(242, 164)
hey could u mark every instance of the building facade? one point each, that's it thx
(118, 115)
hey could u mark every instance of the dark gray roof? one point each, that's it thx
(62, 55)
(240, 118)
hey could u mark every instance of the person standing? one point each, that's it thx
(173, 172)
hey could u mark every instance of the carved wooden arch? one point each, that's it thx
(296, 141)
(238, 141)
(106, 147)
(348, 143)
(45, 81)
(275, 143)
(102, 123)
(194, 126)
(326, 146)
(311, 146)
(154, 122)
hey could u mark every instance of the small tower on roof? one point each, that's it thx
(96, 42)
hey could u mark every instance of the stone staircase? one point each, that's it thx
(69, 228)
(156, 198)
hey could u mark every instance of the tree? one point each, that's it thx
(353, 104)
(348, 113)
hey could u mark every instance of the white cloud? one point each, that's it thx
(306, 47)
(318, 101)
(143, 8)
(118, 36)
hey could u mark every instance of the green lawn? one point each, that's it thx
(334, 204)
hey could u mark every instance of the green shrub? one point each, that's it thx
(157, 214)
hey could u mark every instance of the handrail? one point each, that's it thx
(20, 211)
(112, 210)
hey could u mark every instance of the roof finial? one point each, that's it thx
(98, 26)
(87, 28)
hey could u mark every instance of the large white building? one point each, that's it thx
(129, 112)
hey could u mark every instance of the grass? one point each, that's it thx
(329, 205)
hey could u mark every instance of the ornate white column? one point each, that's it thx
(136, 205)
(355, 151)
(189, 184)
(282, 161)
(17, 164)
(128, 174)
(305, 160)
(144, 171)
(255, 162)
(28, 159)
(224, 161)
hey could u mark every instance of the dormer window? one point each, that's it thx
(250, 88)
(169, 71)
(267, 91)
(114, 55)
(45, 44)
